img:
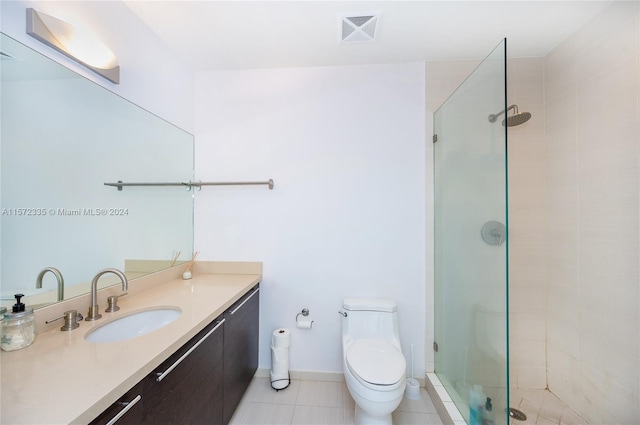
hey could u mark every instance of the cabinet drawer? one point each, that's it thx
(126, 411)
(188, 388)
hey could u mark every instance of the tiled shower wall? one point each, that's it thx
(526, 152)
(592, 90)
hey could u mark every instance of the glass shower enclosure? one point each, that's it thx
(471, 255)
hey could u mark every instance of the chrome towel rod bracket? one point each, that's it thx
(188, 184)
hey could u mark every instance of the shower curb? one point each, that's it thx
(446, 408)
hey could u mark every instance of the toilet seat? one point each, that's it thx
(375, 362)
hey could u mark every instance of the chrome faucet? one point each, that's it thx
(59, 278)
(94, 309)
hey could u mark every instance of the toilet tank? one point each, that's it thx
(370, 304)
(370, 318)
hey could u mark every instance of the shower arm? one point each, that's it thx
(494, 117)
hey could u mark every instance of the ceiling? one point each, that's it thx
(238, 34)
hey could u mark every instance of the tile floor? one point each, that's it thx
(318, 403)
(543, 408)
(329, 403)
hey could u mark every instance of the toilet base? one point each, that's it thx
(363, 418)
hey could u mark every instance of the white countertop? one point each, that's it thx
(61, 378)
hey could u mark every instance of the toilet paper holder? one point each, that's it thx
(305, 313)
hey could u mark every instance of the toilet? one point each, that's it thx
(373, 364)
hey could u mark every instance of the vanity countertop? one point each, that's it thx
(62, 379)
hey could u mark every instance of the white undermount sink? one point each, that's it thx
(133, 325)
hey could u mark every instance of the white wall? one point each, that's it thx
(151, 75)
(592, 87)
(346, 149)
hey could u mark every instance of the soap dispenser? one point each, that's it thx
(19, 328)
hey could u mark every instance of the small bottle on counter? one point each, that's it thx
(3, 310)
(19, 327)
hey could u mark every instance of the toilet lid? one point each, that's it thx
(376, 361)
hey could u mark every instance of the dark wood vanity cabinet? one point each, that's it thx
(204, 381)
(240, 349)
(126, 411)
(188, 387)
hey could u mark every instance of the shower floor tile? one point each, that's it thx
(318, 402)
(543, 408)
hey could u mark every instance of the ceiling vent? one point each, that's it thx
(357, 28)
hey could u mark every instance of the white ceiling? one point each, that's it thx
(240, 34)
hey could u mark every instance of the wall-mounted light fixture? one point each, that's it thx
(75, 43)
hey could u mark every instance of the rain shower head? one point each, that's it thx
(516, 119)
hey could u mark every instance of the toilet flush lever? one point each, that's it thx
(342, 313)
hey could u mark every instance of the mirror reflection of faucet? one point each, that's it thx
(58, 276)
(94, 309)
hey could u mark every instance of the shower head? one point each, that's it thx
(516, 119)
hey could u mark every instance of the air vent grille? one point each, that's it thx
(359, 27)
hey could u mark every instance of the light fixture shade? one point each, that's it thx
(80, 46)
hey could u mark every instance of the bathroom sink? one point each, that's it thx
(134, 325)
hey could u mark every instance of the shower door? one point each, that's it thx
(471, 308)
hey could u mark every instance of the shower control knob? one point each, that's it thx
(493, 233)
(342, 313)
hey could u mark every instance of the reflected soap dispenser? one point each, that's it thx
(19, 328)
(488, 419)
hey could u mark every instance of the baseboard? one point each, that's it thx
(308, 375)
(305, 375)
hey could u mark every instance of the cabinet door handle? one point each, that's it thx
(242, 303)
(128, 406)
(161, 375)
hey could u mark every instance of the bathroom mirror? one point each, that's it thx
(62, 138)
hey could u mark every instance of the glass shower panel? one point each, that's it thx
(471, 245)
